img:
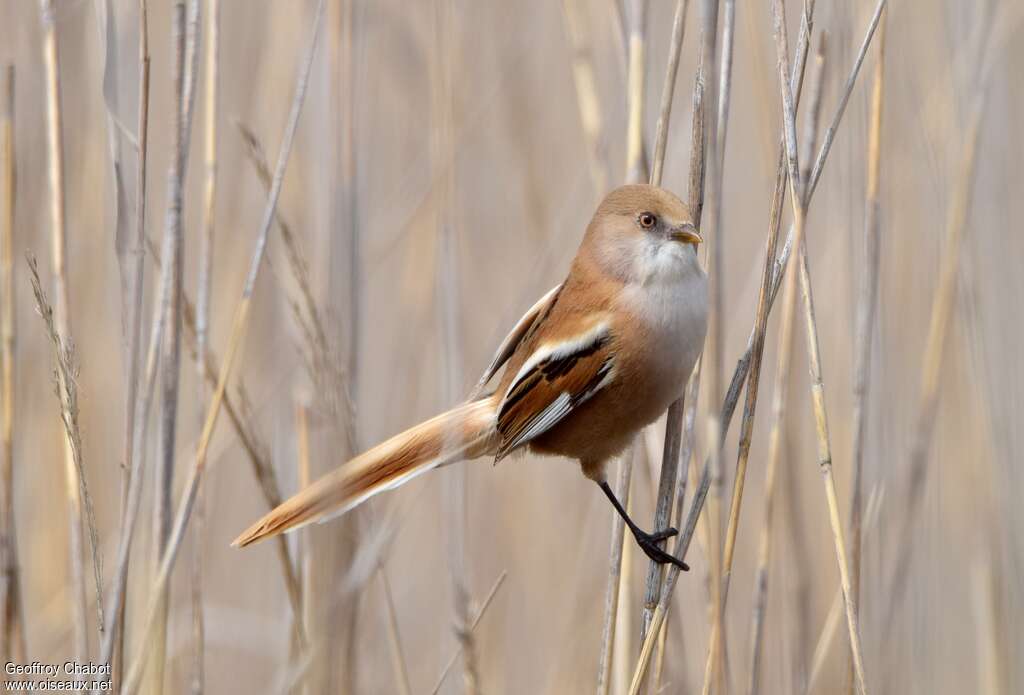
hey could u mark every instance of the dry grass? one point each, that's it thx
(447, 159)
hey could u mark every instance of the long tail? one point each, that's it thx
(464, 432)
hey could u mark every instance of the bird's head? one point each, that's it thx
(642, 232)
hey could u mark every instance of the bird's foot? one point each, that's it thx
(648, 542)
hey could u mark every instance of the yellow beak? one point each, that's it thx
(686, 234)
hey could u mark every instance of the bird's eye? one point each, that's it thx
(646, 220)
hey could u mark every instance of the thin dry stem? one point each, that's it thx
(476, 621)
(714, 347)
(736, 385)
(111, 651)
(588, 101)
(867, 308)
(636, 164)
(442, 150)
(779, 397)
(203, 283)
(66, 389)
(237, 330)
(835, 613)
(58, 232)
(611, 594)
(670, 454)
(817, 386)
(173, 253)
(636, 168)
(938, 329)
(394, 640)
(306, 553)
(12, 617)
(668, 91)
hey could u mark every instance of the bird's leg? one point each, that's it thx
(648, 542)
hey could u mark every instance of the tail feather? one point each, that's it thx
(464, 432)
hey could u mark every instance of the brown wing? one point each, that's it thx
(560, 375)
(508, 346)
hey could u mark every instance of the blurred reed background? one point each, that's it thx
(446, 160)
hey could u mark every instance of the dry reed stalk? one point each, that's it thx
(203, 288)
(781, 388)
(394, 640)
(173, 253)
(135, 289)
(670, 452)
(587, 98)
(867, 309)
(695, 200)
(113, 644)
(65, 375)
(942, 312)
(986, 619)
(668, 90)
(234, 342)
(795, 79)
(625, 647)
(802, 274)
(714, 348)
(12, 616)
(311, 322)
(349, 201)
(323, 362)
(442, 155)
(107, 25)
(636, 163)
(676, 429)
(472, 626)
(635, 171)
(744, 365)
(673, 440)
(306, 550)
(611, 595)
(254, 449)
(835, 613)
(740, 374)
(716, 662)
(55, 147)
(713, 355)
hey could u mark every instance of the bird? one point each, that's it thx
(596, 359)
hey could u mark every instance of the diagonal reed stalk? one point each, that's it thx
(802, 273)
(12, 616)
(58, 232)
(757, 349)
(835, 612)
(743, 368)
(780, 392)
(472, 626)
(234, 342)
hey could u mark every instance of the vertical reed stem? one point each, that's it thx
(12, 617)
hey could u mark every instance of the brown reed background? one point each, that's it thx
(443, 142)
